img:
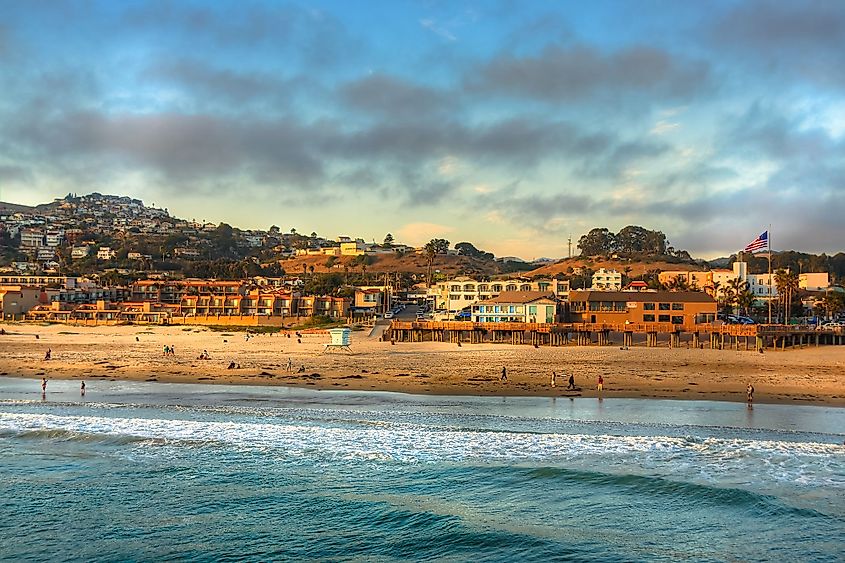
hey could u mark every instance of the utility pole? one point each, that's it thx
(570, 246)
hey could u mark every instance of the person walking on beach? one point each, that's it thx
(600, 387)
(554, 378)
(571, 382)
(48, 355)
(504, 374)
(82, 388)
(749, 393)
(290, 364)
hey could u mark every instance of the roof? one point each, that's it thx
(642, 296)
(519, 297)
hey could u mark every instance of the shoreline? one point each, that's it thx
(810, 376)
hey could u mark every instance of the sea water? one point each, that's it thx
(149, 471)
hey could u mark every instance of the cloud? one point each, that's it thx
(438, 29)
(389, 96)
(580, 72)
(204, 83)
(801, 39)
(420, 233)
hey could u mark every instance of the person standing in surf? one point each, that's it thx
(554, 378)
(43, 385)
(749, 393)
(600, 386)
(82, 388)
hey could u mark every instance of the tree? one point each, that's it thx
(468, 249)
(432, 248)
(597, 242)
(678, 283)
(833, 303)
(786, 283)
(388, 240)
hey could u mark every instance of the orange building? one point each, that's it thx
(686, 308)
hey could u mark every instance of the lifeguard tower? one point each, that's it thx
(340, 339)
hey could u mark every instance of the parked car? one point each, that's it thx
(388, 315)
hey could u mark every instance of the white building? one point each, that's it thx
(761, 285)
(32, 238)
(606, 280)
(455, 295)
(78, 252)
(106, 253)
(54, 238)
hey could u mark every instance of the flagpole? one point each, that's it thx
(769, 241)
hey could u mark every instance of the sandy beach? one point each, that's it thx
(813, 375)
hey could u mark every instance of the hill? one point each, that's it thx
(631, 268)
(391, 263)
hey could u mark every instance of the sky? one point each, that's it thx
(509, 124)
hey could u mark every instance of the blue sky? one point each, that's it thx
(509, 124)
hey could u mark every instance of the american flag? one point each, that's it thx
(758, 243)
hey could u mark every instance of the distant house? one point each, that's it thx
(105, 253)
(517, 307)
(606, 280)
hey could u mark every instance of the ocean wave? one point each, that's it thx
(709, 459)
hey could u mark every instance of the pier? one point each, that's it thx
(713, 336)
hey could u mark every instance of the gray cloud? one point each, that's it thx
(205, 83)
(386, 95)
(561, 74)
(800, 39)
(313, 36)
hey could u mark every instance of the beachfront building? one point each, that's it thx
(461, 293)
(17, 300)
(761, 285)
(517, 307)
(619, 307)
(67, 282)
(606, 280)
(370, 299)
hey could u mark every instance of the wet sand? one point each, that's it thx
(813, 375)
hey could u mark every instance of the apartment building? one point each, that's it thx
(32, 238)
(697, 280)
(461, 293)
(17, 300)
(606, 280)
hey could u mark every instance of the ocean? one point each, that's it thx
(151, 471)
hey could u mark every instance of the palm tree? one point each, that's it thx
(786, 283)
(430, 253)
(734, 290)
(745, 299)
(678, 283)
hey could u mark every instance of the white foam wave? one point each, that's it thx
(709, 459)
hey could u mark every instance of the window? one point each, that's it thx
(648, 318)
(677, 306)
(662, 306)
(532, 309)
(511, 309)
(481, 308)
(483, 288)
(676, 320)
(469, 288)
(663, 318)
(510, 287)
(455, 288)
(648, 306)
(497, 288)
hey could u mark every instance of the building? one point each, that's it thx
(606, 280)
(812, 281)
(461, 293)
(17, 300)
(106, 253)
(370, 299)
(761, 285)
(78, 252)
(686, 308)
(517, 307)
(353, 248)
(44, 281)
(32, 238)
(695, 280)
